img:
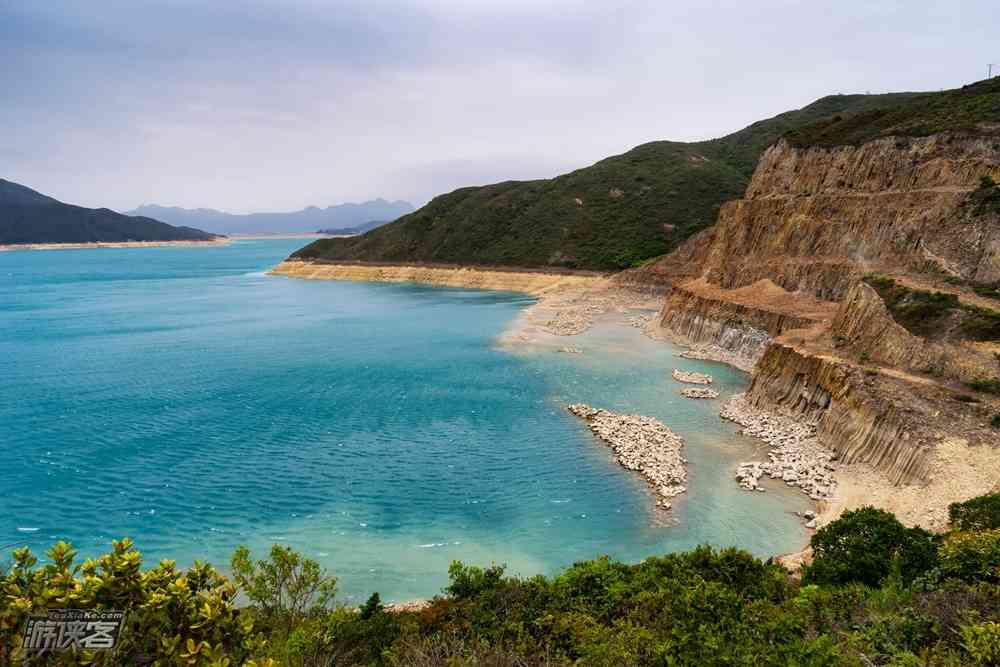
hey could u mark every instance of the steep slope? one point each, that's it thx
(308, 219)
(859, 276)
(612, 215)
(27, 216)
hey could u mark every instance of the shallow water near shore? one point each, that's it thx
(183, 398)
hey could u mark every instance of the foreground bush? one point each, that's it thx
(982, 513)
(878, 593)
(867, 546)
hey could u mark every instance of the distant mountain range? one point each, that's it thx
(334, 218)
(27, 216)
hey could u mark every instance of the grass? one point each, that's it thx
(985, 385)
(924, 313)
(615, 214)
(962, 109)
(986, 198)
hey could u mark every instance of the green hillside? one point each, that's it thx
(612, 215)
(27, 216)
(961, 109)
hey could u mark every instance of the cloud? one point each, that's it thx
(269, 105)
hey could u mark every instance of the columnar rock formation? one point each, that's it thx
(778, 286)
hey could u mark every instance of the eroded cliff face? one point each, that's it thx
(816, 219)
(736, 326)
(855, 412)
(813, 224)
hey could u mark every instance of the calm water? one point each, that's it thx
(183, 398)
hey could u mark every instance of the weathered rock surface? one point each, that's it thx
(796, 455)
(642, 444)
(691, 377)
(735, 326)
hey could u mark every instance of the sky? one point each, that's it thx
(264, 105)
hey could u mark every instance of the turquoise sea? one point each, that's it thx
(183, 398)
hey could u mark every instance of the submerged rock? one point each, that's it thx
(698, 392)
(691, 377)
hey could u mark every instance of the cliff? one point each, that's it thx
(862, 279)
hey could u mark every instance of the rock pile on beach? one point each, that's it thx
(796, 456)
(699, 392)
(691, 377)
(642, 444)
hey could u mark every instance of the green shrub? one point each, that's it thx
(995, 422)
(979, 513)
(971, 556)
(866, 546)
(982, 642)
(185, 617)
(985, 385)
(286, 586)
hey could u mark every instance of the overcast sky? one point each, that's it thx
(267, 105)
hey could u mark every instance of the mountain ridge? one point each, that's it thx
(308, 219)
(28, 216)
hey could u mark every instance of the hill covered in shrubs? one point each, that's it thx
(876, 593)
(612, 215)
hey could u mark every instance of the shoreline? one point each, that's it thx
(12, 247)
(567, 306)
(533, 283)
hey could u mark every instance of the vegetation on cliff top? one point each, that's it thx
(876, 593)
(962, 109)
(934, 314)
(612, 215)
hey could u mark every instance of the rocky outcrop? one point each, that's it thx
(735, 326)
(691, 377)
(892, 164)
(699, 392)
(815, 220)
(860, 417)
(865, 327)
(780, 282)
(796, 457)
(642, 444)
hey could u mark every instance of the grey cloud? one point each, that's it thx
(268, 105)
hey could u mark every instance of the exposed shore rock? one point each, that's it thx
(535, 283)
(734, 326)
(697, 392)
(796, 456)
(691, 377)
(642, 444)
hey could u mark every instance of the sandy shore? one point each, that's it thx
(116, 244)
(535, 283)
